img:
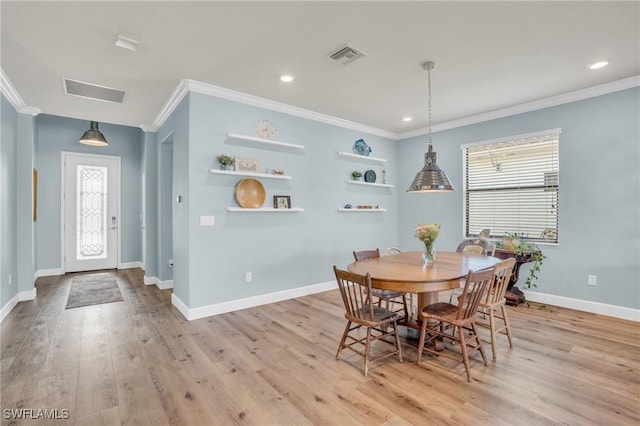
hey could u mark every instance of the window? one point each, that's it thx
(511, 186)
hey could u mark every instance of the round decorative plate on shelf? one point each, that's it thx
(370, 176)
(267, 130)
(250, 193)
(360, 147)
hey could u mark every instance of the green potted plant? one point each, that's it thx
(356, 175)
(225, 161)
(524, 249)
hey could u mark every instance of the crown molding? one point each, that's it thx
(148, 128)
(14, 98)
(186, 85)
(577, 95)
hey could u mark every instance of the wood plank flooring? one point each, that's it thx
(139, 362)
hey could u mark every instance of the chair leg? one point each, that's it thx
(366, 352)
(404, 307)
(475, 332)
(423, 332)
(344, 337)
(492, 327)
(506, 324)
(465, 356)
(398, 345)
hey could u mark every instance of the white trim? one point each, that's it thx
(162, 285)
(22, 296)
(531, 135)
(249, 302)
(130, 265)
(47, 273)
(63, 171)
(186, 85)
(578, 95)
(251, 174)
(176, 96)
(584, 305)
(8, 307)
(8, 89)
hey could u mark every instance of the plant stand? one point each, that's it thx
(514, 295)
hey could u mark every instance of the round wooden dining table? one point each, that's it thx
(406, 272)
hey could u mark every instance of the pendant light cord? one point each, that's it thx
(429, 86)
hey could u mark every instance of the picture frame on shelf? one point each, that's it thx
(244, 164)
(281, 202)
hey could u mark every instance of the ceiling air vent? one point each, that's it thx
(346, 54)
(93, 91)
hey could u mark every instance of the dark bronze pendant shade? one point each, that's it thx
(93, 136)
(431, 178)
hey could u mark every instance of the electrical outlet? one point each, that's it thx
(592, 279)
(248, 277)
(170, 263)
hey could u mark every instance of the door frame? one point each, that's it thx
(63, 175)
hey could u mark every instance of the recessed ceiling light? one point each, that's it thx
(597, 65)
(286, 78)
(407, 118)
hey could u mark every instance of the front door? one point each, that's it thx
(90, 211)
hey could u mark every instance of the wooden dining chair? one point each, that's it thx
(494, 299)
(394, 300)
(379, 322)
(392, 251)
(477, 246)
(457, 323)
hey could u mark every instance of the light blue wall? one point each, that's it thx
(282, 250)
(25, 154)
(599, 231)
(56, 134)
(151, 204)
(176, 130)
(8, 218)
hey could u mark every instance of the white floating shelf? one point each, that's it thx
(363, 157)
(342, 209)
(265, 209)
(251, 174)
(357, 182)
(264, 141)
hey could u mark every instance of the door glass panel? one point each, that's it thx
(91, 213)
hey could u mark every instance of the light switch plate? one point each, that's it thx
(207, 221)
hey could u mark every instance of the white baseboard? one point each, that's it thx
(27, 295)
(584, 305)
(8, 307)
(162, 285)
(130, 265)
(249, 302)
(19, 297)
(47, 273)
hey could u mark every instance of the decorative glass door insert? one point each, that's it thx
(91, 213)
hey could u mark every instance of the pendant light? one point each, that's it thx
(431, 178)
(93, 136)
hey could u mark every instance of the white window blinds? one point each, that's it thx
(511, 186)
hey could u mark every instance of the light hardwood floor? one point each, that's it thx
(140, 362)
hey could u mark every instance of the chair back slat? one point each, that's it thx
(474, 246)
(366, 254)
(475, 286)
(354, 289)
(498, 287)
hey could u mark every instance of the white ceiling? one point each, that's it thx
(488, 55)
